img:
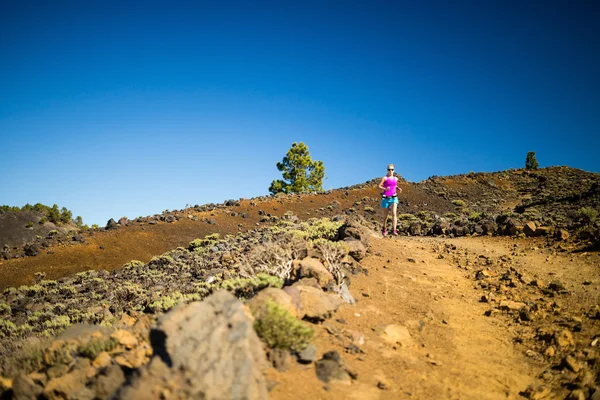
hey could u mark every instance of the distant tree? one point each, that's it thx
(300, 172)
(79, 221)
(531, 161)
(65, 215)
(54, 214)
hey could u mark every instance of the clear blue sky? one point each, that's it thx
(130, 108)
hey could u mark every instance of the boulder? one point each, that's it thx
(543, 231)
(112, 224)
(331, 368)
(310, 267)
(69, 386)
(529, 228)
(356, 248)
(415, 229)
(258, 303)
(31, 250)
(316, 304)
(206, 350)
(561, 234)
(24, 387)
(395, 334)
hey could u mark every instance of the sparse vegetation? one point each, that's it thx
(587, 215)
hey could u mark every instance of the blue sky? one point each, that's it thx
(130, 108)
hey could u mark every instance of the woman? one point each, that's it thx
(389, 198)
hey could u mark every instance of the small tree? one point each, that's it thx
(300, 172)
(531, 161)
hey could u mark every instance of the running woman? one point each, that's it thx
(389, 198)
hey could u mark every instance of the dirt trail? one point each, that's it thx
(458, 353)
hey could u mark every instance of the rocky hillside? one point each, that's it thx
(274, 273)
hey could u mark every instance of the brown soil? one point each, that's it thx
(459, 353)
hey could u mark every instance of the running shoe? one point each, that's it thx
(395, 232)
(384, 232)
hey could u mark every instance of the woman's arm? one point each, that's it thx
(380, 186)
(398, 188)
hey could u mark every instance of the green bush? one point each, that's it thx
(29, 224)
(459, 203)
(95, 346)
(281, 330)
(587, 215)
(319, 229)
(209, 240)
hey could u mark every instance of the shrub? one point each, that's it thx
(587, 215)
(281, 330)
(275, 258)
(165, 303)
(208, 240)
(247, 286)
(459, 203)
(7, 328)
(320, 229)
(95, 346)
(29, 224)
(333, 253)
(474, 216)
(59, 322)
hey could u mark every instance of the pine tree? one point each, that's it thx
(531, 161)
(300, 172)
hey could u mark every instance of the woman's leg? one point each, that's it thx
(394, 215)
(386, 213)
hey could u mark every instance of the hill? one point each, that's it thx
(452, 309)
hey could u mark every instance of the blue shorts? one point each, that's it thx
(387, 202)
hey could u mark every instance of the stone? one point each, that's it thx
(5, 384)
(576, 394)
(356, 249)
(308, 355)
(310, 267)
(509, 305)
(543, 231)
(205, 350)
(550, 351)
(102, 360)
(536, 392)
(345, 294)
(564, 339)
(294, 294)
(112, 225)
(561, 234)
(31, 250)
(258, 303)
(316, 304)
(125, 338)
(108, 382)
(571, 363)
(331, 368)
(395, 334)
(25, 388)
(66, 386)
(529, 228)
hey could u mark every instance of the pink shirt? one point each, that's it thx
(390, 186)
